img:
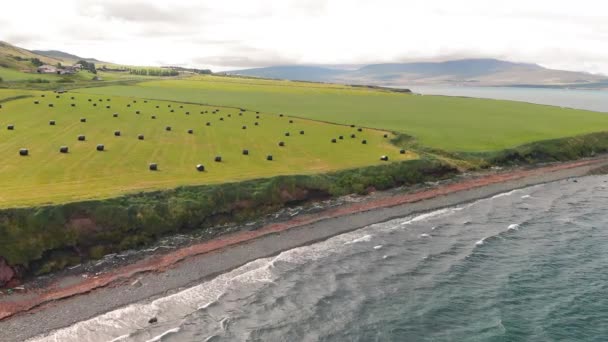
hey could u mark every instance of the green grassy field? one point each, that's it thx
(449, 123)
(47, 176)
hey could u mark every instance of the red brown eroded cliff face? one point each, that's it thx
(7, 273)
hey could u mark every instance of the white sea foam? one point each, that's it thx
(364, 238)
(480, 242)
(505, 194)
(160, 337)
(526, 196)
(378, 247)
(513, 226)
(425, 235)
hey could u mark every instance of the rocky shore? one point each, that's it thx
(69, 300)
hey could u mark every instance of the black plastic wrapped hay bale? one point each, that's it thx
(334, 141)
(200, 168)
(140, 137)
(364, 141)
(190, 131)
(269, 157)
(137, 112)
(240, 114)
(281, 115)
(202, 112)
(134, 101)
(257, 116)
(168, 106)
(168, 128)
(287, 134)
(208, 124)
(157, 106)
(108, 100)
(341, 137)
(83, 119)
(290, 121)
(384, 158)
(63, 149)
(24, 152)
(94, 104)
(116, 115)
(153, 117)
(100, 147)
(116, 133)
(52, 123)
(257, 112)
(244, 127)
(153, 167)
(229, 115)
(51, 105)
(42, 95)
(281, 143)
(245, 152)
(257, 123)
(73, 105)
(359, 129)
(221, 119)
(10, 127)
(81, 138)
(108, 107)
(57, 96)
(386, 135)
(218, 159)
(172, 111)
(35, 102)
(187, 113)
(72, 98)
(181, 106)
(352, 126)
(402, 151)
(145, 101)
(129, 105)
(301, 132)
(353, 135)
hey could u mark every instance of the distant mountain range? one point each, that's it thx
(481, 72)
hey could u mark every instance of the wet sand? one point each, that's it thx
(61, 305)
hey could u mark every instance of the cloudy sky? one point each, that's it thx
(231, 34)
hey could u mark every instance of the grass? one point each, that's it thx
(449, 123)
(46, 176)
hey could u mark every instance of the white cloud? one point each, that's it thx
(240, 33)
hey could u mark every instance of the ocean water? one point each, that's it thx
(527, 265)
(595, 100)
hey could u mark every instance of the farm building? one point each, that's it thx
(47, 69)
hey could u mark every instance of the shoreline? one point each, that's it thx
(61, 306)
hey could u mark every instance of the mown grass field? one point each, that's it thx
(449, 123)
(47, 176)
